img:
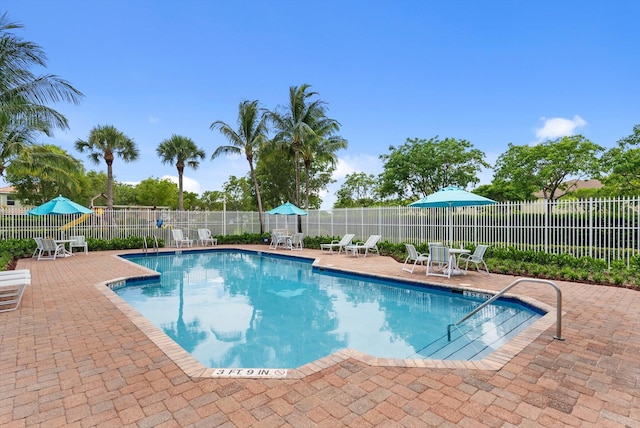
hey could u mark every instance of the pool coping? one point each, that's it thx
(195, 369)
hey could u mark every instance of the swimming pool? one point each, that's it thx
(245, 309)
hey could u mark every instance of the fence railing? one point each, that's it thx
(606, 229)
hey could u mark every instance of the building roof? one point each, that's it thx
(573, 185)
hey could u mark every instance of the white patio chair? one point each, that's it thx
(476, 258)
(340, 245)
(38, 249)
(414, 256)
(296, 241)
(439, 257)
(78, 242)
(52, 250)
(370, 246)
(204, 236)
(280, 238)
(179, 238)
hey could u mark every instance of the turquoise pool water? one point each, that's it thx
(240, 309)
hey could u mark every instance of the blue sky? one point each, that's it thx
(491, 72)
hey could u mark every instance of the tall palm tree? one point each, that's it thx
(304, 123)
(293, 123)
(107, 142)
(247, 139)
(23, 98)
(181, 151)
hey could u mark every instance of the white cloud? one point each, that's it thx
(153, 119)
(360, 163)
(557, 127)
(188, 184)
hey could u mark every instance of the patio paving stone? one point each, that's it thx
(71, 356)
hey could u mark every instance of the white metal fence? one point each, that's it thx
(606, 229)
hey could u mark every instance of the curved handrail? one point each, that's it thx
(558, 335)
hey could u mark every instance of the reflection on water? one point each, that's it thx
(239, 309)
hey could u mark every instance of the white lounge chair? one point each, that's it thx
(440, 261)
(78, 242)
(413, 256)
(204, 237)
(12, 285)
(476, 258)
(51, 250)
(371, 245)
(339, 245)
(296, 241)
(179, 238)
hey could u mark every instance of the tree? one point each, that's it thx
(358, 190)
(319, 149)
(622, 164)
(237, 192)
(37, 182)
(303, 121)
(547, 166)
(181, 151)
(212, 200)
(107, 142)
(420, 167)
(156, 192)
(247, 139)
(24, 113)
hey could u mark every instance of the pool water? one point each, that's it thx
(240, 309)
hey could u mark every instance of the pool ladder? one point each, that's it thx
(558, 335)
(155, 245)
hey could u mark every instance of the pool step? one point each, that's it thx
(478, 337)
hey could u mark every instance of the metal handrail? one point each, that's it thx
(558, 335)
(155, 245)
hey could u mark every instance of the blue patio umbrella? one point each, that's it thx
(450, 197)
(59, 205)
(287, 209)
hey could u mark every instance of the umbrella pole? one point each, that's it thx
(450, 221)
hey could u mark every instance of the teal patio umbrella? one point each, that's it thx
(287, 209)
(59, 205)
(450, 197)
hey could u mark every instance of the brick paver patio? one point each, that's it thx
(69, 356)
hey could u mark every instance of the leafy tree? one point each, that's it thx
(247, 140)
(238, 194)
(24, 113)
(622, 163)
(37, 182)
(107, 142)
(276, 174)
(547, 166)
(180, 151)
(420, 167)
(157, 192)
(212, 200)
(358, 190)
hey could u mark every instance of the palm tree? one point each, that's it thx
(293, 124)
(181, 151)
(319, 150)
(107, 142)
(23, 95)
(248, 139)
(302, 123)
